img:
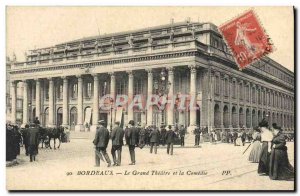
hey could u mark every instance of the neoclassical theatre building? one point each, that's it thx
(62, 84)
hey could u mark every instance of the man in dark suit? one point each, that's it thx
(117, 135)
(197, 135)
(132, 140)
(154, 139)
(170, 137)
(163, 132)
(33, 140)
(182, 135)
(36, 121)
(101, 141)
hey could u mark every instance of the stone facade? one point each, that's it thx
(64, 83)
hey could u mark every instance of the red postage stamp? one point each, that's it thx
(246, 38)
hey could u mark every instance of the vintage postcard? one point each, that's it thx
(150, 98)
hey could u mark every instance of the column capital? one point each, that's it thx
(193, 68)
(14, 82)
(130, 73)
(37, 79)
(111, 73)
(79, 76)
(95, 75)
(65, 78)
(149, 70)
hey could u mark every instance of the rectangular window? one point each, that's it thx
(241, 91)
(121, 87)
(89, 90)
(74, 91)
(138, 86)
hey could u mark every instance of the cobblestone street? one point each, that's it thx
(220, 166)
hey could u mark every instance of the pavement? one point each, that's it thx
(212, 167)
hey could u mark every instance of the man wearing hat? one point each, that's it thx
(101, 141)
(132, 140)
(33, 141)
(197, 135)
(117, 135)
(154, 139)
(163, 132)
(170, 137)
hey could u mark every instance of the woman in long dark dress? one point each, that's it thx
(280, 167)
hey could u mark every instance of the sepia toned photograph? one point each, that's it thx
(150, 98)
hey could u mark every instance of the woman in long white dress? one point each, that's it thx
(239, 139)
(256, 146)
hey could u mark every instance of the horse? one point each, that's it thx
(46, 134)
(56, 133)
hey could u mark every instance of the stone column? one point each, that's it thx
(79, 126)
(113, 95)
(51, 102)
(193, 80)
(65, 102)
(170, 107)
(95, 103)
(38, 99)
(25, 102)
(149, 93)
(14, 102)
(130, 95)
(211, 100)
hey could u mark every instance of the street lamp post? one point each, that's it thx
(162, 85)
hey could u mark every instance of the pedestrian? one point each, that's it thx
(101, 141)
(280, 167)
(132, 141)
(163, 132)
(197, 135)
(234, 137)
(266, 138)
(33, 141)
(256, 147)
(182, 135)
(238, 140)
(142, 134)
(36, 121)
(154, 139)
(25, 139)
(170, 137)
(147, 133)
(117, 136)
(10, 152)
(243, 136)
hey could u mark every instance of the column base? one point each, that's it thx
(79, 128)
(93, 128)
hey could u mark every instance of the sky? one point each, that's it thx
(37, 27)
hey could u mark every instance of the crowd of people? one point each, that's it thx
(269, 150)
(30, 136)
(268, 143)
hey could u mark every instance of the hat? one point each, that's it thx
(277, 127)
(257, 129)
(131, 122)
(101, 122)
(263, 123)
